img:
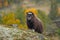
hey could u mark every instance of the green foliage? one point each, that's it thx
(14, 1)
(58, 1)
(44, 17)
(54, 10)
(20, 15)
(0, 20)
(58, 31)
(37, 1)
(47, 22)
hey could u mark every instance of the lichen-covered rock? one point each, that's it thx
(17, 34)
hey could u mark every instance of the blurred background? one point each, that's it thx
(12, 13)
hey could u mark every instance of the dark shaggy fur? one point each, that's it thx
(35, 24)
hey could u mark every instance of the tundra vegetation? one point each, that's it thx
(13, 20)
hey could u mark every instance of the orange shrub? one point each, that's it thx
(10, 19)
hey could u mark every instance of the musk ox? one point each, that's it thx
(34, 23)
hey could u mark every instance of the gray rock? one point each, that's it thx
(17, 34)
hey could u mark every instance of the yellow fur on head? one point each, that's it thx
(33, 10)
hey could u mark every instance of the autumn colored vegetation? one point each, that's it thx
(18, 17)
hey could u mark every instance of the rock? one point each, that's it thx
(17, 34)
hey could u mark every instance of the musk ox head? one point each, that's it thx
(29, 16)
